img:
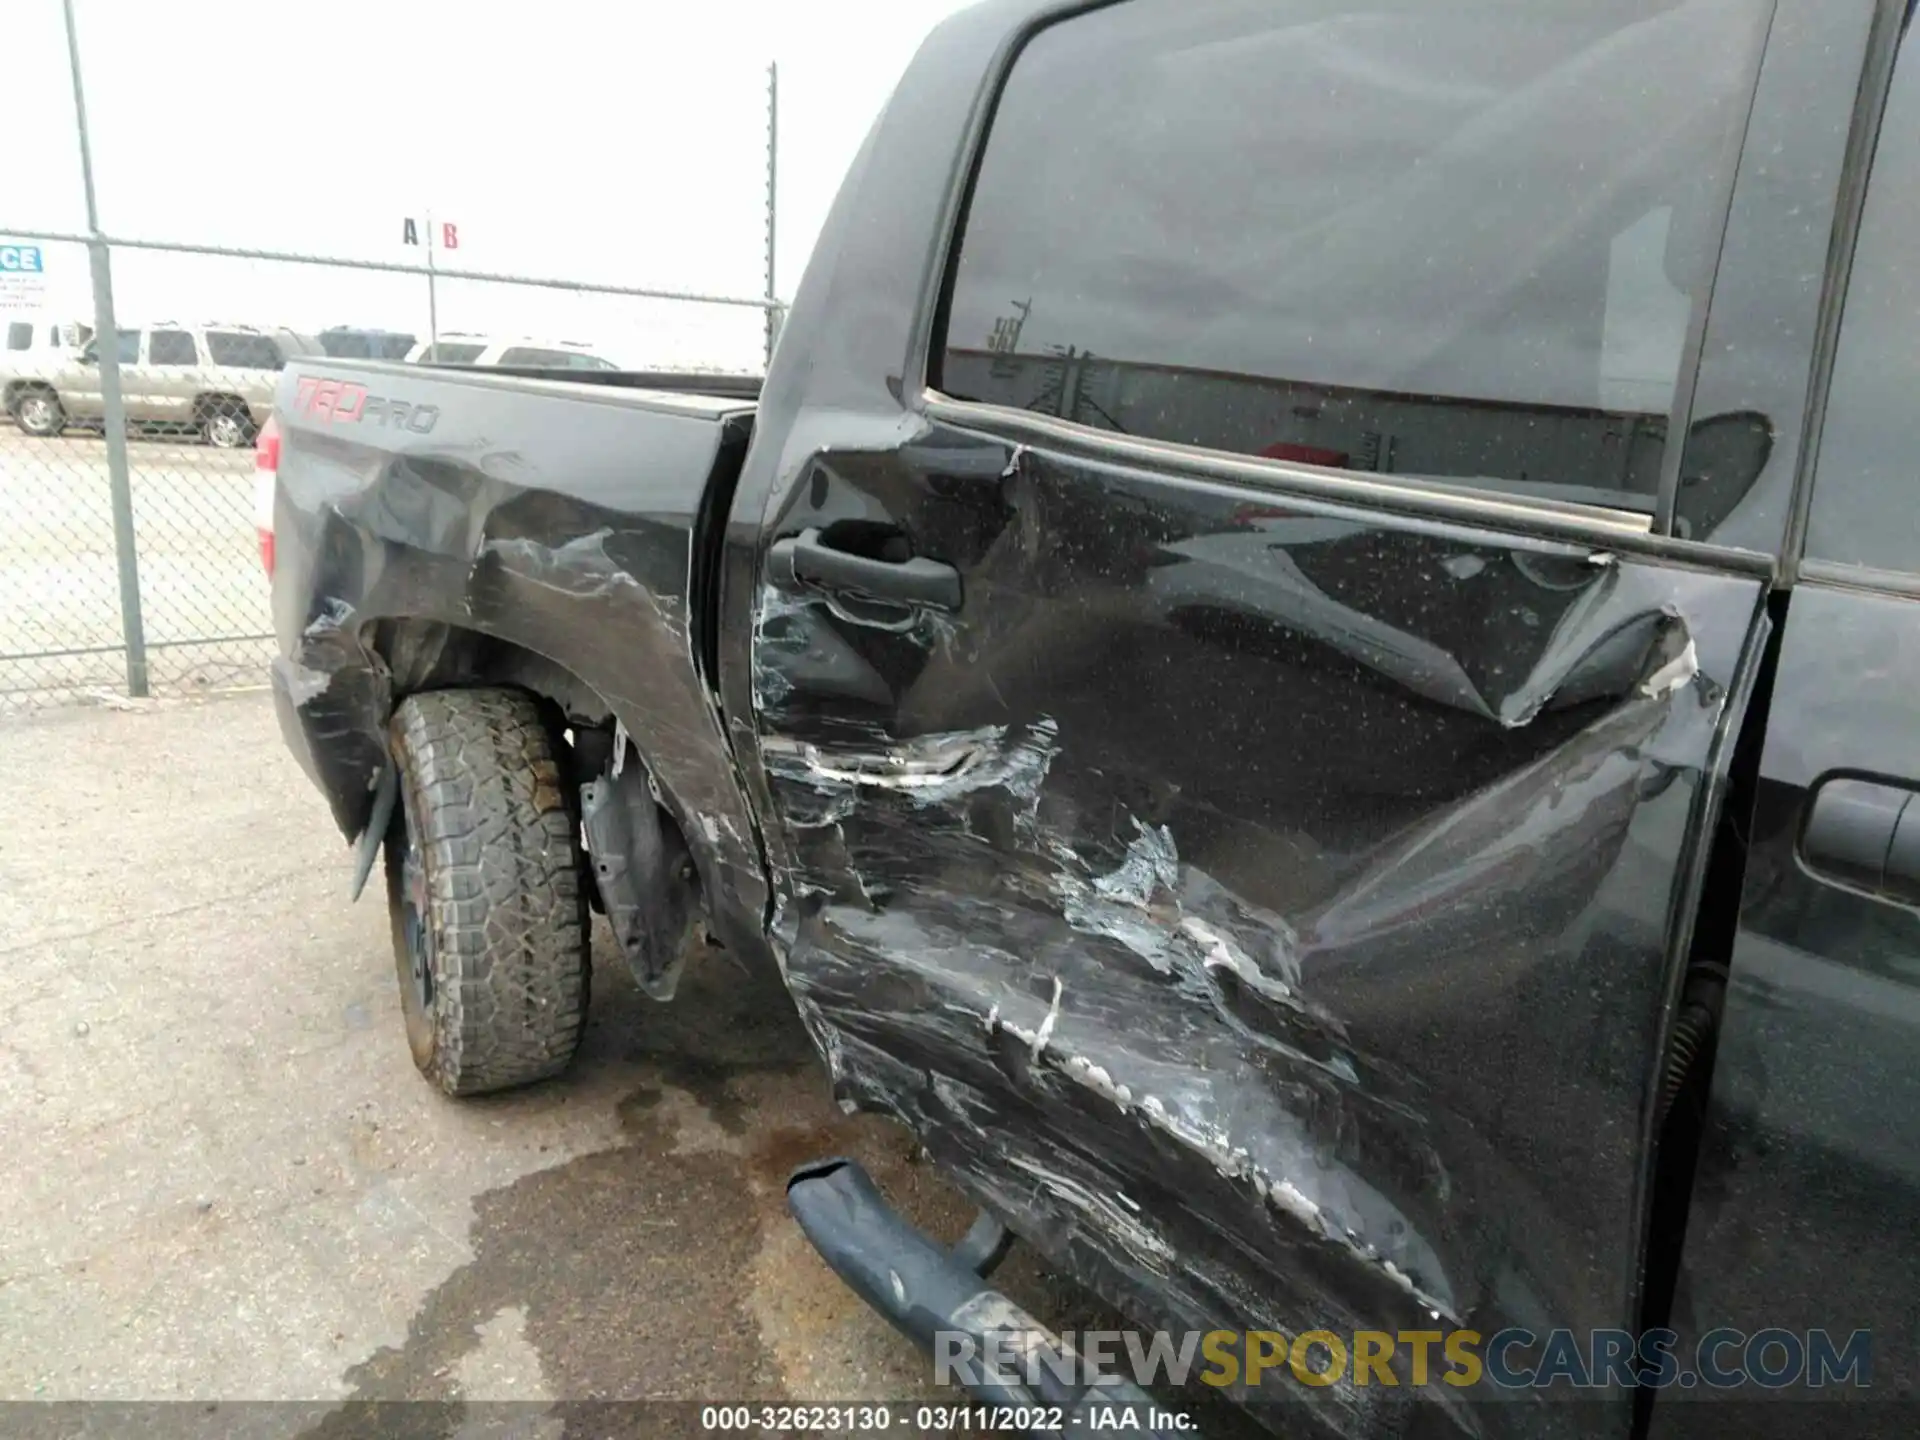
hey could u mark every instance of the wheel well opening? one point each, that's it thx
(432, 655)
(421, 655)
(18, 388)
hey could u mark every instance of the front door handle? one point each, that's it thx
(806, 558)
(1865, 834)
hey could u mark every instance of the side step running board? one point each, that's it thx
(928, 1292)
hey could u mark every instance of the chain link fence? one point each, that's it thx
(129, 554)
(201, 592)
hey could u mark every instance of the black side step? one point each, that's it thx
(926, 1290)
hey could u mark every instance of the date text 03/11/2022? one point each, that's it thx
(921, 1419)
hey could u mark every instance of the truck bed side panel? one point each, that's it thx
(556, 518)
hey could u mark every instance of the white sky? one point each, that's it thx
(585, 139)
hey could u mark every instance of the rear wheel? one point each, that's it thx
(38, 412)
(226, 423)
(483, 888)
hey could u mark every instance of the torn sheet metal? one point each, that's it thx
(638, 868)
(505, 550)
(1271, 920)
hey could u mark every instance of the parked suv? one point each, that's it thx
(214, 380)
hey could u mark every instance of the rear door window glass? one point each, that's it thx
(20, 335)
(172, 347)
(1866, 498)
(347, 344)
(251, 352)
(553, 359)
(528, 355)
(366, 344)
(452, 354)
(1449, 239)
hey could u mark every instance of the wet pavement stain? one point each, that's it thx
(631, 1286)
(708, 1082)
(630, 1268)
(666, 1268)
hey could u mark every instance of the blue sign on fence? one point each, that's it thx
(21, 258)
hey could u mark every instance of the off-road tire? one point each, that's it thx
(505, 917)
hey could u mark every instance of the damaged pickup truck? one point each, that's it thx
(1306, 663)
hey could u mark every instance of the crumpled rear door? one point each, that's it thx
(1236, 769)
(1271, 908)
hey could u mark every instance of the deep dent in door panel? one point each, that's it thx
(1215, 1047)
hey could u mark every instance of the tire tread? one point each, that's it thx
(508, 914)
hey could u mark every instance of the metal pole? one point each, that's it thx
(773, 203)
(106, 344)
(433, 294)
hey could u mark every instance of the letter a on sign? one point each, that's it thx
(409, 235)
(449, 237)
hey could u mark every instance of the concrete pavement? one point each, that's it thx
(224, 1179)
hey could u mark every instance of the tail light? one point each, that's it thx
(266, 471)
(1308, 455)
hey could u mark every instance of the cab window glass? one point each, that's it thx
(1450, 239)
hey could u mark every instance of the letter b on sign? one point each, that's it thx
(21, 258)
(449, 236)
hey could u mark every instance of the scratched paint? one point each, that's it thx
(1224, 885)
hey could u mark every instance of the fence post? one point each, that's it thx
(773, 202)
(433, 296)
(106, 344)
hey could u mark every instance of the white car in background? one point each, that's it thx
(455, 348)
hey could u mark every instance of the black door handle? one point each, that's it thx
(1865, 834)
(806, 558)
